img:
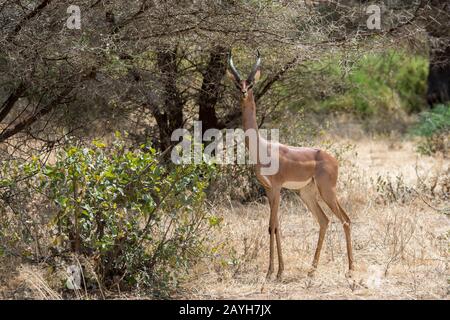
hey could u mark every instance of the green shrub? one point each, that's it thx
(378, 77)
(434, 121)
(434, 128)
(411, 82)
(142, 223)
(375, 84)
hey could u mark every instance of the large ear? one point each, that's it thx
(257, 75)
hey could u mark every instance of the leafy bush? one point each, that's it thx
(372, 85)
(142, 223)
(434, 127)
(434, 121)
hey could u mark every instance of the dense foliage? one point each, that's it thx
(373, 85)
(141, 222)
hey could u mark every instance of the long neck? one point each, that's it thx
(249, 112)
(249, 122)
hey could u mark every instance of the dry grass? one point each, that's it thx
(401, 247)
(401, 244)
(29, 282)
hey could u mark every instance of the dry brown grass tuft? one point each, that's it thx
(29, 282)
(401, 245)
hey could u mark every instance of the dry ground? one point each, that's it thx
(401, 245)
(401, 242)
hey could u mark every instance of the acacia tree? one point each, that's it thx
(152, 66)
(144, 59)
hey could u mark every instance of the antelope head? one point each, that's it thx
(244, 85)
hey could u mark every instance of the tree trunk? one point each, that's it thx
(211, 88)
(8, 105)
(437, 24)
(171, 117)
(439, 77)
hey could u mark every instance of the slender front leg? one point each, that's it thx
(271, 249)
(280, 255)
(274, 201)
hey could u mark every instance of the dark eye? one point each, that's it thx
(250, 86)
(237, 86)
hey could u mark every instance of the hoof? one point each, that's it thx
(350, 273)
(279, 276)
(312, 272)
(269, 274)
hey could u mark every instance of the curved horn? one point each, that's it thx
(233, 69)
(251, 77)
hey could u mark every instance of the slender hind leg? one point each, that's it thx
(348, 238)
(309, 196)
(328, 194)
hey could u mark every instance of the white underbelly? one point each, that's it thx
(295, 184)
